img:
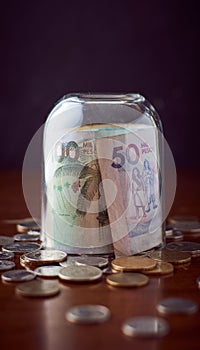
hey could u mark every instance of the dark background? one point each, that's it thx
(50, 48)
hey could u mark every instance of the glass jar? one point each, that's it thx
(102, 175)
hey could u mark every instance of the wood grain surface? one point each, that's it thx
(40, 324)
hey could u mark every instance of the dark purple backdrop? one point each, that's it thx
(50, 48)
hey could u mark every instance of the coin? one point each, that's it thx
(21, 247)
(6, 255)
(33, 233)
(161, 268)
(182, 218)
(48, 271)
(90, 260)
(177, 306)
(133, 263)
(71, 260)
(127, 279)
(46, 256)
(169, 231)
(108, 270)
(5, 240)
(177, 235)
(17, 276)
(185, 246)
(145, 326)
(26, 237)
(23, 260)
(187, 226)
(26, 225)
(88, 314)
(38, 288)
(6, 265)
(80, 273)
(171, 256)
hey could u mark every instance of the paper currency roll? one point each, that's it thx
(132, 163)
(103, 190)
(76, 214)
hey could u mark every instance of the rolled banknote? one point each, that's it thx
(131, 161)
(76, 218)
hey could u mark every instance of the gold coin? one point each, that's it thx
(38, 289)
(133, 263)
(161, 268)
(127, 279)
(171, 256)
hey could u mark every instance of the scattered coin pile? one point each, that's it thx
(121, 272)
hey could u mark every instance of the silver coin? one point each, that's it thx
(23, 260)
(177, 306)
(46, 256)
(185, 246)
(80, 273)
(177, 235)
(145, 326)
(33, 233)
(190, 226)
(169, 231)
(182, 218)
(6, 255)
(48, 271)
(26, 225)
(25, 237)
(5, 240)
(88, 314)
(21, 247)
(71, 260)
(38, 289)
(6, 265)
(89, 260)
(18, 276)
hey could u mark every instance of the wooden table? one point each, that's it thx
(40, 324)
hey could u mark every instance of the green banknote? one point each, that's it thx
(76, 216)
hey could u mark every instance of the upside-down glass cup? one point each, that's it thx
(102, 175)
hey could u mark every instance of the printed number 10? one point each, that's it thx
(117, 154)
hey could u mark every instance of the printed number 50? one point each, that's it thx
(121, 157)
